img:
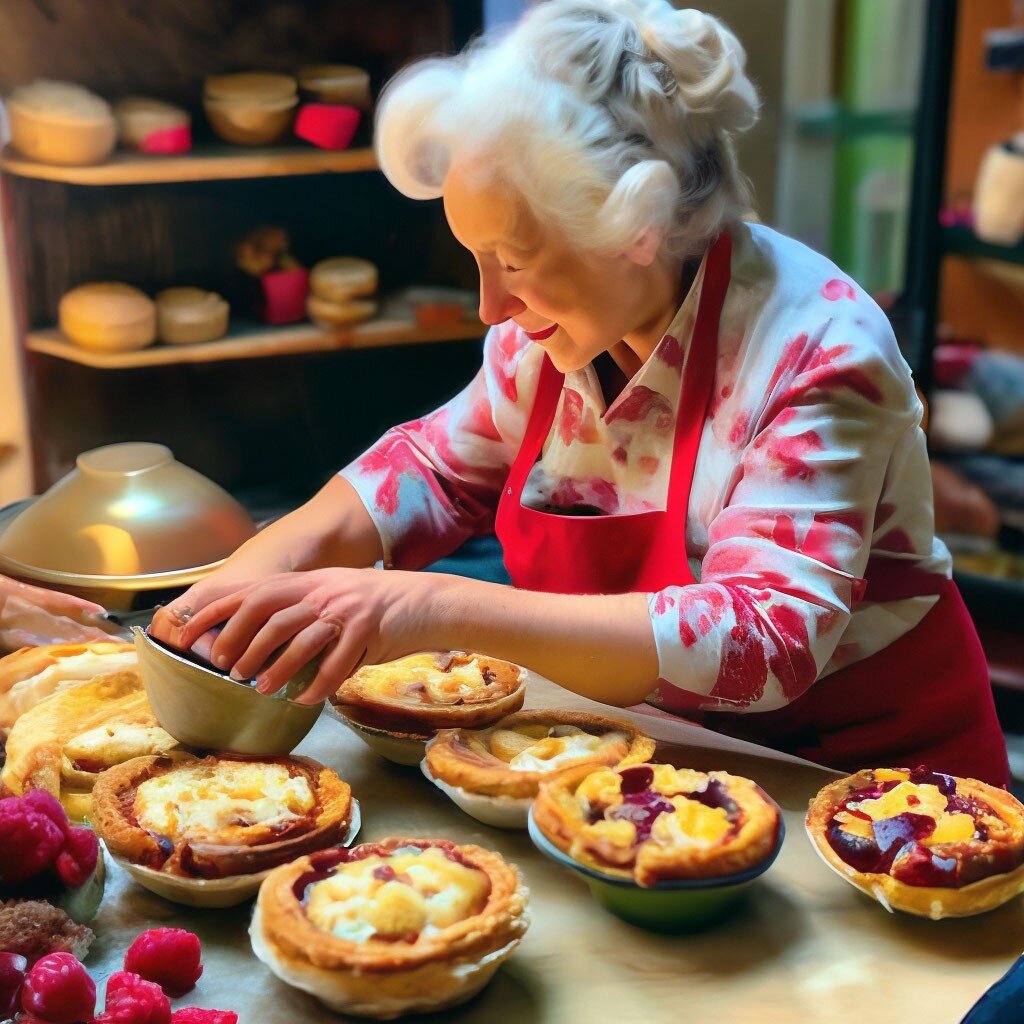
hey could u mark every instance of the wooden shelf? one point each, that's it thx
(254, 342)
(962, 241)
(211, 162)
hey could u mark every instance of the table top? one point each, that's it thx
(804, 946)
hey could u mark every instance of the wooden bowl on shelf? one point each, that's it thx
(61, 123)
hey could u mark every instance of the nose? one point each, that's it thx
(497, 303)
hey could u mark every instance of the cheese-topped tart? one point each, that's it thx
(218, 816)
(393, 927)
(64, 743)
(653, 822)
(32, 674)
(512, 758)
(434, 690)
(920, 841)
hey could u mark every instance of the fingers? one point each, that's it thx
(171, 623)
(304, 647)
(196, 623)
(337, 666)
(281, 627)
(243, 615)
(203, 647)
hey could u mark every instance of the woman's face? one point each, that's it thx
(576, 307)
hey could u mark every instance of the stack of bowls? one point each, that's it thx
(252, 108)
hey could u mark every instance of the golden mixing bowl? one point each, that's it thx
(127, 520)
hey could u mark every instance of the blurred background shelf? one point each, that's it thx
(962, 241)
(833, 120)
(253, 341)
(209, 162)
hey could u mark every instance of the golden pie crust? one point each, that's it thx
(63, 744)
(654, 823)
(32, 674)
(233, 789)
(381, 977)
(918, 841)
(513, 757)
(417, 695)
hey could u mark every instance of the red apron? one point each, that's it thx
(923, 700)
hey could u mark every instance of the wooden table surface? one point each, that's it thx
(804, 947)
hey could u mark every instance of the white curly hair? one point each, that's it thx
(609, 117)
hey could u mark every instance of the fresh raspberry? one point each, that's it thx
(77, 861)
(133, 1000)
(197, 1015)
(12, 975)
(29, 840)
(168, 956)
(58, 990)
(46, 803)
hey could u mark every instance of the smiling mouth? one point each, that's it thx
(542, 335)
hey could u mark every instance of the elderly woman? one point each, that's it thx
(696, 439)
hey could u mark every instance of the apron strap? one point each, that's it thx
(549, 387)
(698, 380)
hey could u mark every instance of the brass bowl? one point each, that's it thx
(202, 708)
(130, 518)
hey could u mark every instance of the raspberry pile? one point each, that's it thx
(36, 839)
(58, 990)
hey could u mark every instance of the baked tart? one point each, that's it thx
(919, 841)
(63, 744)
(654, 823)
(397, 706)
(494, 774)
(32, 674)
(203, 829)
(390, 928)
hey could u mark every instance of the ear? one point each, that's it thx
(644, 249)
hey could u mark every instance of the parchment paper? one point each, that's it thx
(805, 947)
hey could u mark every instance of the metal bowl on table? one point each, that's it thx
(129, 522)
(202, 708)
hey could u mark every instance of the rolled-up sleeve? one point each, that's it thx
(433, 482)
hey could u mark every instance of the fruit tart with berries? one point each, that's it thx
(392, 927)
(920, 841)
(493, 774)
(655, 823)
(198, 829)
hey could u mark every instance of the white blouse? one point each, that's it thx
(812, 460)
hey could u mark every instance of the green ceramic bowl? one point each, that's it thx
(671, 908)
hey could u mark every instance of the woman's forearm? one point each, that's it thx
(601, 647)
(333, 528)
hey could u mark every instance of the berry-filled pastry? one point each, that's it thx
(393, 927)
(434, 690)
(494, 773)
(916, 840)
(191, 821)
(515, 756)
(654, 823)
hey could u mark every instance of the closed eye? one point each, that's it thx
(510, 270)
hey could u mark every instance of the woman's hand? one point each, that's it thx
(30, 616)
(169, 621)
(346, 616)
